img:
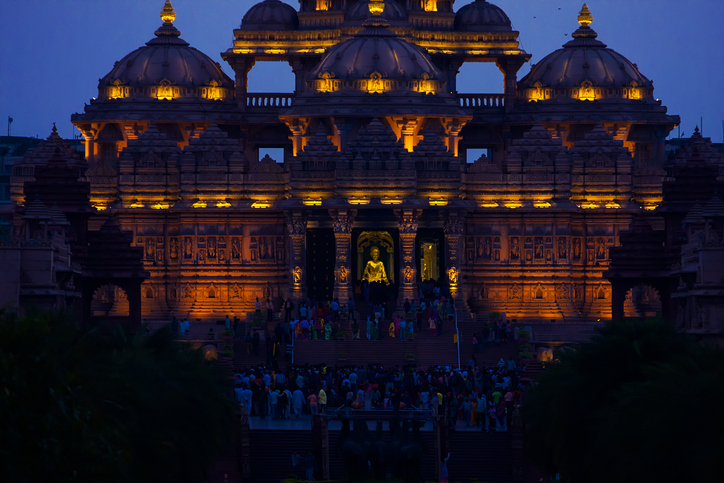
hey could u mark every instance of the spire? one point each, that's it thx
(376, 7)
(167, 33)
(585, 36)
(168, 14)
(584, 16)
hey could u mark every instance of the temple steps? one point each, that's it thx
(481, 456)
(271, 453)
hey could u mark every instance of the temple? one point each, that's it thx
(377, 146)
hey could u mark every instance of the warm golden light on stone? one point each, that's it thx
(584, 16)
(542, 204)
(136, 204)
(359, 201)
(650, 207)
(376, 7)
(613, 205)
(223, 204)
(375, 85)
(312, 202)
(168, 14)
(430, 5)
(100, 207)
(391, 201)
(513, 205)
(260, 204)
(199, 204)
(488, 204)
(160, 206)
(437, 202)
(590, 206)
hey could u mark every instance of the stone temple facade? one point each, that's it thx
(375, 138)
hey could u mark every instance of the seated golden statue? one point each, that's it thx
(375, 269)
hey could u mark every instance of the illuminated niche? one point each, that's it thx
(430, 5)
(586, 92)
(375, 84)
(325, 82)
(164, 90)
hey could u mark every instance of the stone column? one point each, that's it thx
(297, 228)
(408, 265)
(453, 249)
(241, 66)
(342, 225)
(510, 67)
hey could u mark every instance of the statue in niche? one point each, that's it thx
(235, 250)
(577, 249)
(235, 293)
(188, 248)
(211, 251)
(453, 275)
(297, 274)
(488, 248)
(600, 248)
(222, 255)
(514, 249)
(408, 274)
(343, 274)
(539, 247)
(480, 248)
(150, 248)
(562, 249)
(375, 269)
(173, 249)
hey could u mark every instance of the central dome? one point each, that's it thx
(270, 15)
(376, 60)
(481, 16)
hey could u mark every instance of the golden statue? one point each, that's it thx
(375, 269)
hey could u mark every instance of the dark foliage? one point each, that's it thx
(638, 402)
(103, 405)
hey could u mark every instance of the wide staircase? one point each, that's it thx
(481, 456)
(338, 472)
(271, 453)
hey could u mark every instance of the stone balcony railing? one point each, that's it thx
(270, 100)
(481, 100)
(267, 100)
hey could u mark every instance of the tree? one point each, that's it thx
(103, 405)
(638, 402)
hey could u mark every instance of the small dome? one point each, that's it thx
(376, 60)
(481, 16)
(585, 69)
(360, 11)
(166, 68)
(270, 15)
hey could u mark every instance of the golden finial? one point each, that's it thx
(168, 14)
(584, 16)
(376, 7)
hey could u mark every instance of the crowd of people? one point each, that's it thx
(475, 396)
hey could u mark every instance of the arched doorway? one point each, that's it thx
(642, 301)
(110, 301)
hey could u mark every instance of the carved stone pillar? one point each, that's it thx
(510, 67)
(452, 129)
(297, 228)
(298, 127)
(408, 265)
(453, 249)
(408, 128)
(342, 225)
(241, 66)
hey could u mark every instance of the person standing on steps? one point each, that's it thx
(311, 465)
(443, 469)
(269, 310)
